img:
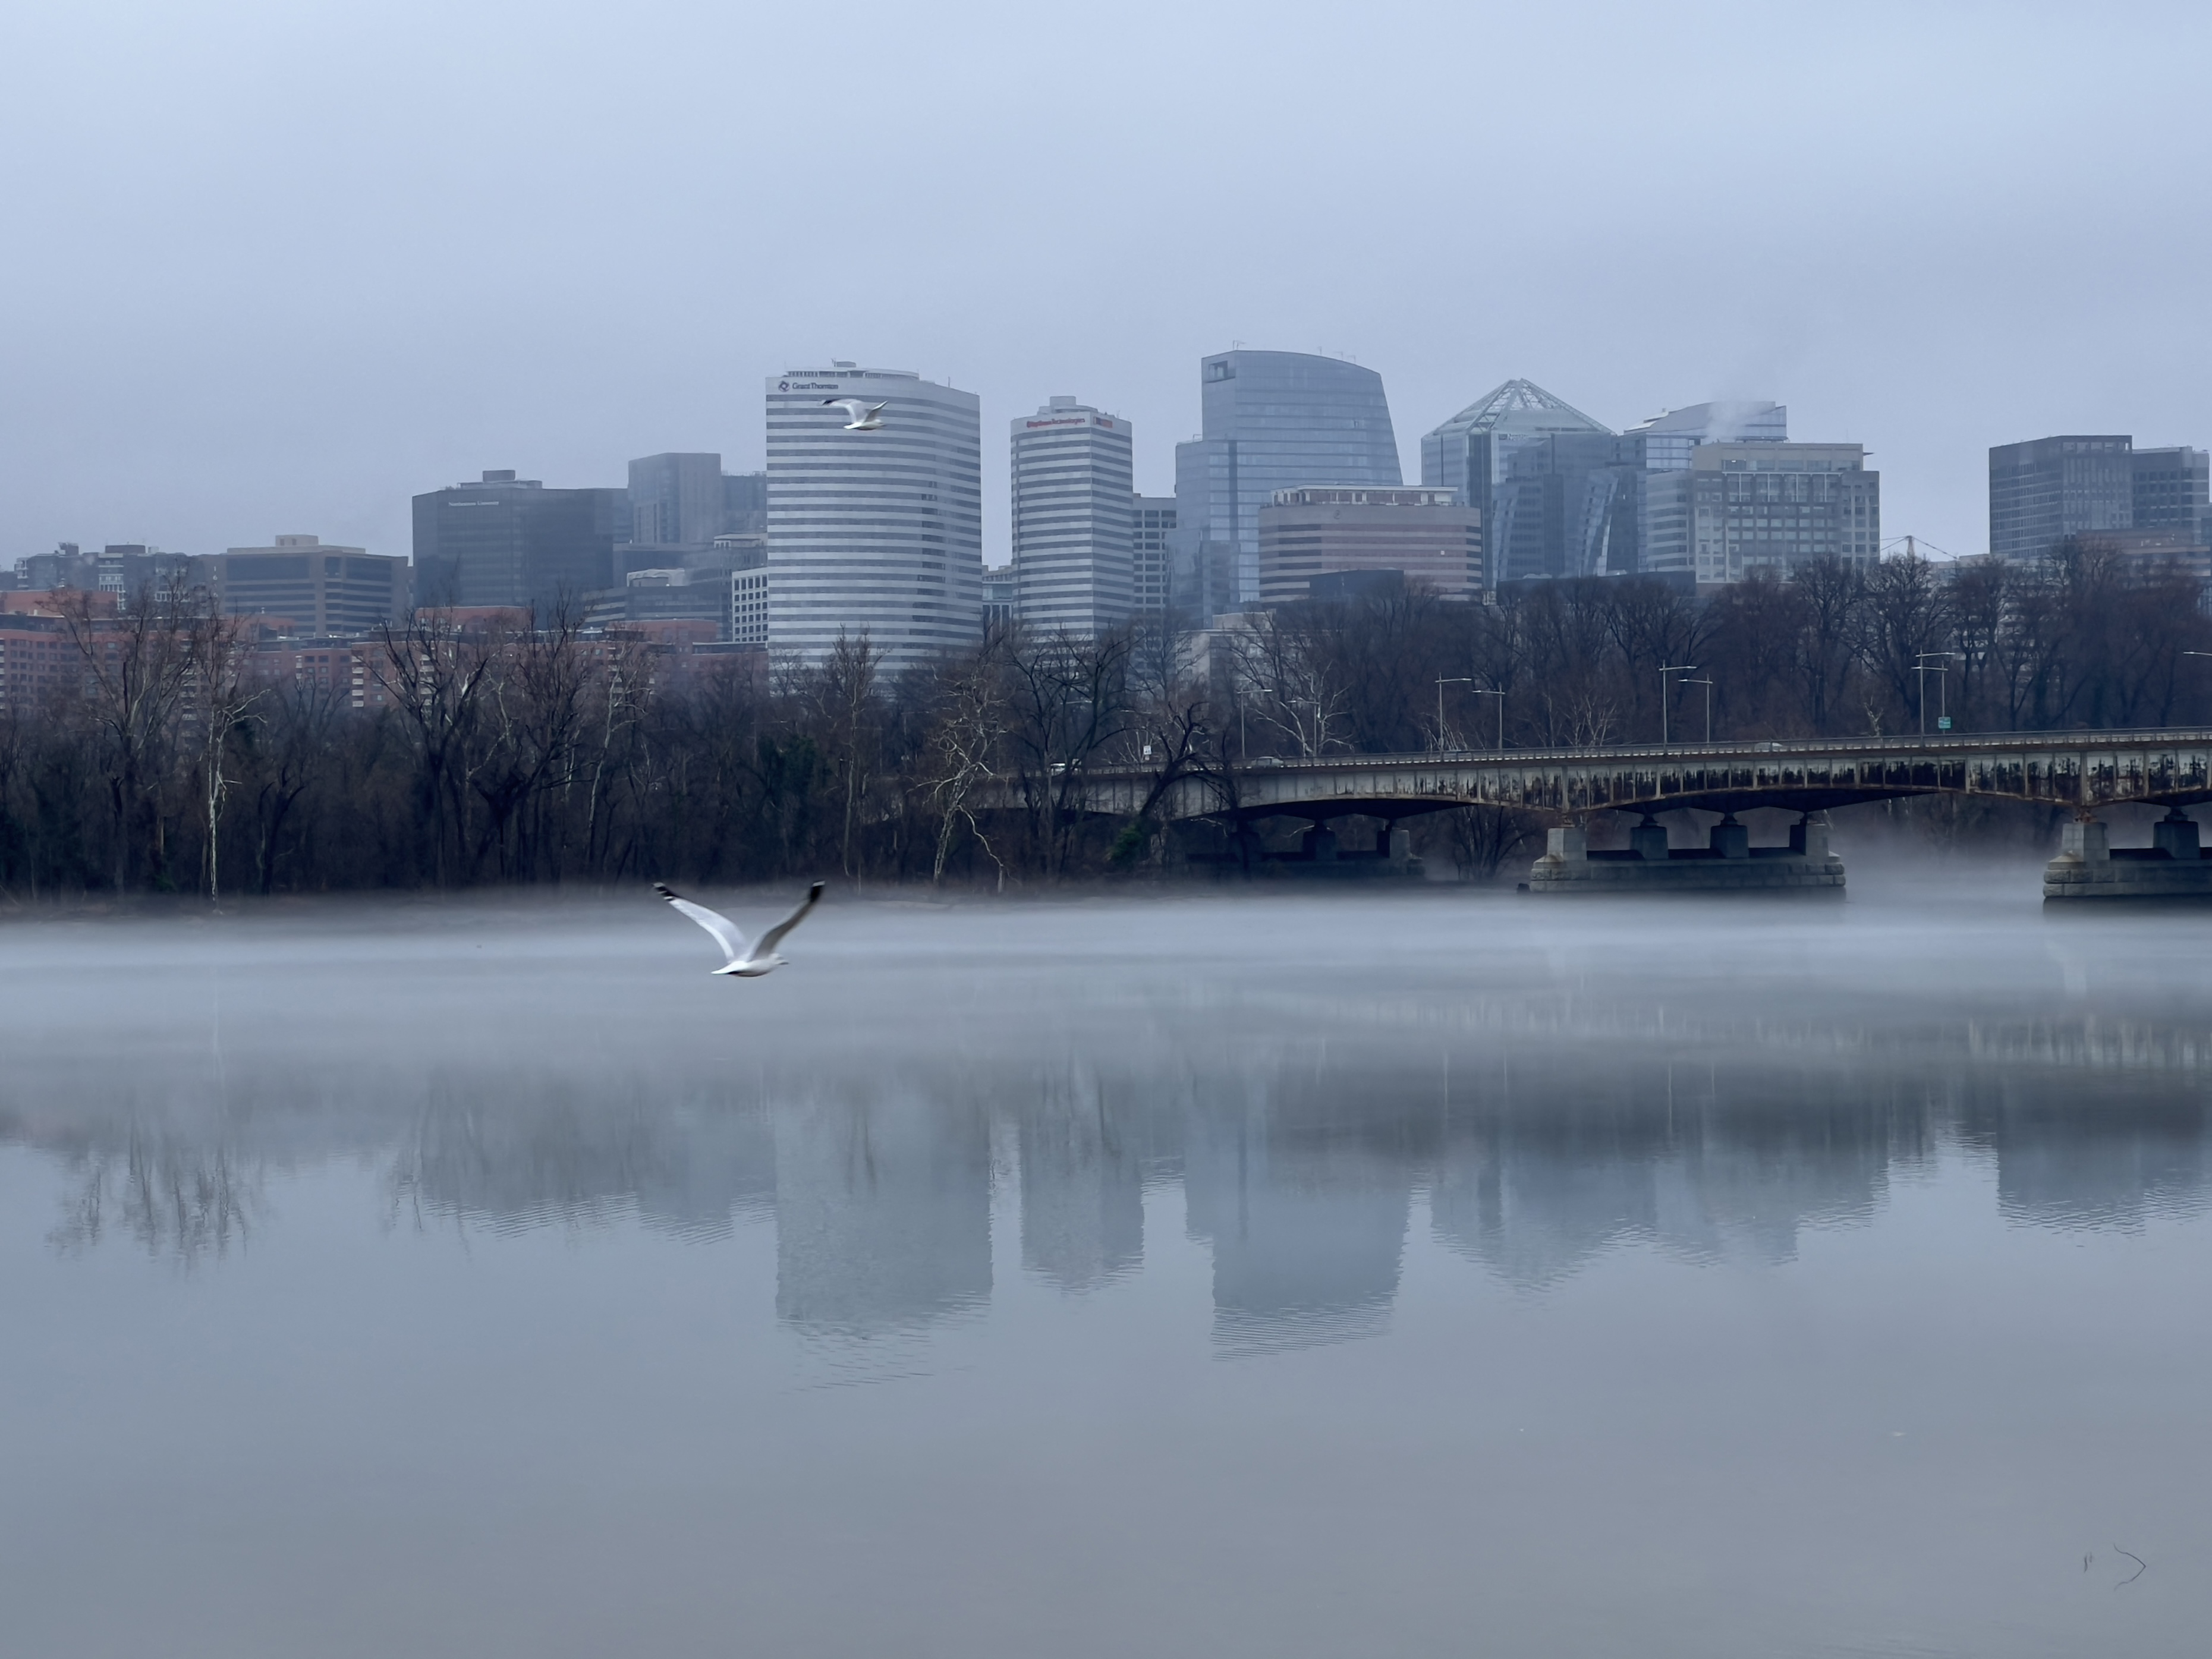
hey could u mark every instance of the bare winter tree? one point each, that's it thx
(217, 648)
(137, 665)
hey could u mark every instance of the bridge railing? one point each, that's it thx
(1948, 743)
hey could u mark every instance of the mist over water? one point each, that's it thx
(1212, 1273)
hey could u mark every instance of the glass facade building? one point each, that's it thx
(1269, 421)
(2045, 491)
(510, 542)
(1474, 453)
(879, 532)
(1072, 526)
(1151, 536)
(676, 500)
(2173, 491)
(1570, 504)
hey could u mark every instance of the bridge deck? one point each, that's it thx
(2082, 769)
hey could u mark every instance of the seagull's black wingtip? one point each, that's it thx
(815, 891)
(664, 889)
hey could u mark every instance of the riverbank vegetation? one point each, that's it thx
(477, 752)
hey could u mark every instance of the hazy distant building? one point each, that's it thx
(1422, 536)
(749, 606)
(1269, 421)
(1073, 509)
(510, 541)
(1473, 452)
(2171, 491)
(67, 567)
(745, 504)
(1151, 537)
(2045, 491)
(1663, 446)
(683, 504)
(126, 569)
(676, 500)
(1001, 596)
(1775, 506)
(1570, 504)
(319, 589)
(1668, 437)
(877, 532)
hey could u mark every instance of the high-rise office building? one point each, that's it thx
(745, 504)
(676, 500)
(1663, 445)
(1774, 506)
(1151, 536)
(876, 531)
(511, 542)
(318, 589)
(1473, 452)
(1668, 437)
(2045, 491)
(686, 513)
(1570, 504)
(1073, 509)
(1424, 536)
(1269, 421)
(2171, 491)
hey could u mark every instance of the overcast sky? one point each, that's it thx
(276, 267)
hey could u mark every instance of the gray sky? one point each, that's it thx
(277, 265)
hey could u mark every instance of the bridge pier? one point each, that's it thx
(1728, 862)
(2176, 864)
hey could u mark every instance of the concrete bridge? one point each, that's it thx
(2082, 771)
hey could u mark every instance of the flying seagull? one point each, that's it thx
(867, 418)
(744, 960)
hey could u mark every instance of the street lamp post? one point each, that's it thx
(1670, 668)
(1440, 684)
(1500, 695)
(1943, 683)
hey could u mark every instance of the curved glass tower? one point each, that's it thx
(1271, 421)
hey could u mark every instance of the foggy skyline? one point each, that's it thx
(279, 271)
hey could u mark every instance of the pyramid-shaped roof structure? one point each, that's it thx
(1519, 407)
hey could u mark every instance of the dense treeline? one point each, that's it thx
(543, 754)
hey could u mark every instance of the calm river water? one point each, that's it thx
(1276, 1273)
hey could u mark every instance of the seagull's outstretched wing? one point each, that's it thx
(774, 936)
(854, 408)
(875, 410)
(726, 933)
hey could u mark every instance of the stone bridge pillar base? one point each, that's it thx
(2088, 865)
(1728, 863)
